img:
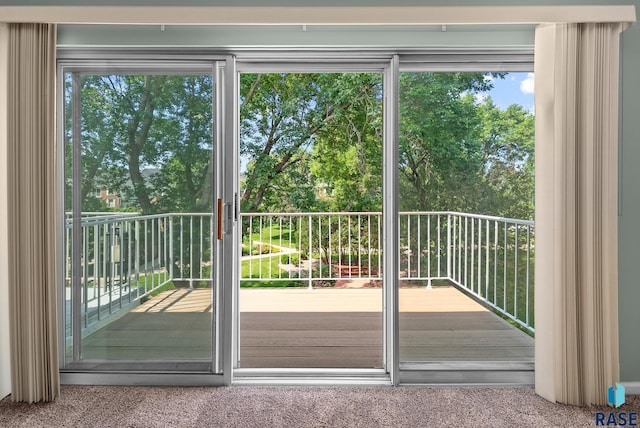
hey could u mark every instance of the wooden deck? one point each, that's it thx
(175, 325)
(324, 328)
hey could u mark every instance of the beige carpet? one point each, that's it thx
(99, 406)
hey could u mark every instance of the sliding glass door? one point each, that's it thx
(141, 183)
(362, 218)
(467, 237)
(310, 292)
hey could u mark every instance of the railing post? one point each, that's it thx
(309, 260)
(85, 270)
(137, 250)
(117, 259)
(190, 252)
(171, 247)
(129, 257)
(448, 246)
(429, 275)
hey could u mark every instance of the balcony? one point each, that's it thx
(466, 287)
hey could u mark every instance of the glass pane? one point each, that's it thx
(311, 194)
(146, 189)
(466, 181)
(68, 210)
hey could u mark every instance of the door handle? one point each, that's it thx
(220, 218)
(228, 218)
(225, 218)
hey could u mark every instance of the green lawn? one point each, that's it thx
(272, 234)
(267, 268)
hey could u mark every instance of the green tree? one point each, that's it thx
(149, 139)
(347, 158)
(508, 140)
(440, 152)
(282, 117)
(133, 124)
(185, 179)
(315, 143)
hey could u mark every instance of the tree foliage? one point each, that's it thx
(347, 157)
(458, 154)
(285, 119)
(508, 142)
(147, 138)
(439, 154)
(308, 141)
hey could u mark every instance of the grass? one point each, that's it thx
(272, 275)
(168, 286)
(267, 267)
(266, 283)
(149, 280)
(274, 235)
(264, 267)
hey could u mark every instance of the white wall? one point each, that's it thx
(628, 226)
(5, 379)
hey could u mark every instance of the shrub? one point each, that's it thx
(291, 258)
(263, 249)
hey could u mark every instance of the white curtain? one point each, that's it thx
(576, 81)
(31, 207)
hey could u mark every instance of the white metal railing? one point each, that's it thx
(492, 258)
(311, 247)
(125, 258)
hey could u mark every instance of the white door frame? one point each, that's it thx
(387, 66)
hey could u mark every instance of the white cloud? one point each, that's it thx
(480, 98)
(526, 86)
(488, 78)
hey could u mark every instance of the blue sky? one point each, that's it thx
(515, 88)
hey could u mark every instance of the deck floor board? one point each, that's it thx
(324, 328)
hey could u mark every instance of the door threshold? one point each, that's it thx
(310, 377)
(468, 373)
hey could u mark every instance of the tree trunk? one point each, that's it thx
(138, 134)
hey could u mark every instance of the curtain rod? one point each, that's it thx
(316, 15)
